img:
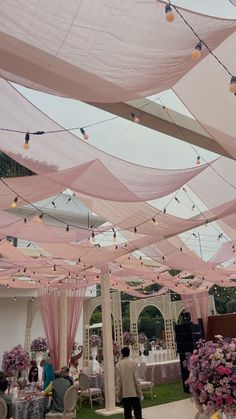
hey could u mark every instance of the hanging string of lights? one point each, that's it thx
(196, 53)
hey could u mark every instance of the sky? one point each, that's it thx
(141, 145)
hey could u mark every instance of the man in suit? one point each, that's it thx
(128, 385)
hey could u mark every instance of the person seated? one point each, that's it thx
(57, 389)
(33, 375)
(65, 374)
(6, 397)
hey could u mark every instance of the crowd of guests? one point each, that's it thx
(54, 384)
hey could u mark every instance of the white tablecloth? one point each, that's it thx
(164, 372)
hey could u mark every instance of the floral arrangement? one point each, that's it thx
(116, 349)
(142, 339)
(128, 338)
(212, 378)
(94, 340)
(158, 344)
(22, 382)
(15, 360)
(39, 345)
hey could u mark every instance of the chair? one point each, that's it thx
(3, 409)
(147, 386)
(142, 371)
(87, 392)
(70, 399)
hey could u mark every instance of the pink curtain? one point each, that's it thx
(49, 307)
(191, 300)
(190, 306)
(204, 305)
(49, 300)
(75, 304)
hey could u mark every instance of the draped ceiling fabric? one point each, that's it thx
(44, 47)
(47, 56)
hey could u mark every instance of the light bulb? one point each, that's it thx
(26, 146)
(232, 86)
(169, 13)
(14, 203)
(198, 161)
(84, 133)
(196, 53)
(135, 118)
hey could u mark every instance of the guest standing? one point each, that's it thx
(128, 385)
(48, 373)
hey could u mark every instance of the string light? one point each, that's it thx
(220, 236)
(155, 221)
(177, 199)
(169, 13)
(14, 298)
(198, 160)
(14, 202)
(136, 119)
(84, 134)
(25, 221)
(53, 204)
(193, 207)
(114, 236)
(135, 229)
(67, 230)
(38, 218)
(27, 138)
(197, 52)
(93, 241)
(232, 86)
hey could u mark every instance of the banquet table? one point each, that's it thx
(29, 409)
(164, 372)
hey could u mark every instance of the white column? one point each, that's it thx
(63, 328)
(108, 359)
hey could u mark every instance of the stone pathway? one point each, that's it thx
(183, 409)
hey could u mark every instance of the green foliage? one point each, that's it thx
(225, 299)
(10, 168)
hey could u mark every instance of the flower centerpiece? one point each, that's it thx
(160, 344)
(128, 338)
(153, 345)
(39, 345)
(142, 339)
(212, 378)
(94, 341)
(15, 360)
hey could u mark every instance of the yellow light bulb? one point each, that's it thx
(170, 16)
(13, 204)
(196, 54)
(26, 146)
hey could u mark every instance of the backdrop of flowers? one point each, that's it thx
(116, 349)
(39, 345)
(212, 378)
(15, 360)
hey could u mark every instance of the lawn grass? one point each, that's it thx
(164, 393)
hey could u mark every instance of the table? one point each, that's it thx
(158, 355)
(29, 409)
(164, 372)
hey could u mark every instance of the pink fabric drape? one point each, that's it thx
(190, 303)
(49, 308)
(49, 301)
(75, 304)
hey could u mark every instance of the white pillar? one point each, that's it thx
(63, 328)
(108, 359)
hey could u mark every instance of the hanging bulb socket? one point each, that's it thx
(27, 138)
(14, 202)
(67, 229)
(136, 119)
(84, 133)
(193, 207)
(232, 86)
(197, 52)
(169, 13)
(198, 160)
(93, 241)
